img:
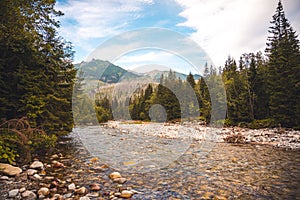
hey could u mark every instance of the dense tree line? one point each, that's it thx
(261, 91)
(36, 73)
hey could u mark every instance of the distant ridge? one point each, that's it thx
(107, 72)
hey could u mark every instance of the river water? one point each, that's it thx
(164, 168)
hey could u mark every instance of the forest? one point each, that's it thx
(37, 77)
(261, 90)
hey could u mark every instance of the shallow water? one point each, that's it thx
(176, 169)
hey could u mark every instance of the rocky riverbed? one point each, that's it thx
(141, 162)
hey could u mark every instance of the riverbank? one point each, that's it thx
(276, 137)
(218, 171)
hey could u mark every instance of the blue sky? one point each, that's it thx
(219, 27)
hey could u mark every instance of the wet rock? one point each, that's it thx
(37, 177)
(4, 178)
(43, 191)
(57, 164)
(71, 186)
(37, 165)
(68, 195)
(57, 197)
(126, 194)
(29, 195)
(81, 190)
(95, 187)
(31, 172)
(54, 156)
(115, 175)
(84, 198)
(54, 183)
(10, 170)
(23, 189)
(120, 180)
(13, 193)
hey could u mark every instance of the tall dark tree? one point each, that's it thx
(283, 70)
(36, 72)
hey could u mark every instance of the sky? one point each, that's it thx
(219, 27)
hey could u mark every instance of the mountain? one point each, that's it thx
(156, 74)
(104, 71)
(110, 73)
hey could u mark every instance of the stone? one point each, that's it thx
(57, 164)
(95, 187)
(29, 195)
(57, 197)
(115, 175)
(117, 194)
(37, 177)
(71, 186)
(10, 170)
(13, 193)
(4, 178)
(81, 190)
(37, 165)
(126, 194)
(23, 189)
(84, 198)
(68, 195)
(120, 180)
(31, 172)
(54, 156)
(43, 191)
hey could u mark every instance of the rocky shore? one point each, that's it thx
(276, 137)
(59, 181)
(72, 173)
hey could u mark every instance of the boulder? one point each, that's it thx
(10, 170)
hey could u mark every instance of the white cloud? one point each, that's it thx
(232, 27)
(93, 19)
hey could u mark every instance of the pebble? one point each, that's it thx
(23, 189)
(115, 175)
(13, 193)
(37, 176)
(71, 186)
(119, 180)
(81, 190)
(57, 164)
(37, 165)
(43, 191)
(4, 178)
(95, 187)
(10, 170)
(126, 194)
(29, 195)
(84, 198)
(68, 195)
(31, 172)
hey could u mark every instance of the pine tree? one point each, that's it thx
(283, 70)
(36, 68)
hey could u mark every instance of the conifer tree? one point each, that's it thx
(283, 70)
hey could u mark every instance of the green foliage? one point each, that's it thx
(283, 71)
(8, 152)
(18, 137)
(36, 72)
(263, 123)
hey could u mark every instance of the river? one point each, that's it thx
(164, 168)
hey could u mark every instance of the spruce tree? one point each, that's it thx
(283, 70)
